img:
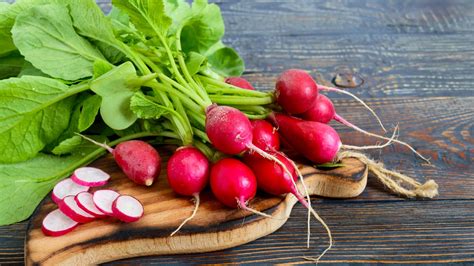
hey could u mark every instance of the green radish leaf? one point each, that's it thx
(226, 62)
(29, 70)
(10, 65)
(34, 111)
(133, 129)
(90, 109)
(178, 11)
(330, 165)
(203, 29)
(8, 14)
(67, 146)
(118, 15)
(194, 62)
(116, 90)
(23, 185)
(148, 16)
(145, 108)
(101, 67)
(45, 36)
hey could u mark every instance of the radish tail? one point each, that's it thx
(196, 206)
(356, 98)
(103, 145)
(347, 123)
(244, 207)
(390, 140)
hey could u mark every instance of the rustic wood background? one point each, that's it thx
(417, 59)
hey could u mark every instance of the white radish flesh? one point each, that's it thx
(57, 223)
(127, 209)
(85, 202)
(69, 207)
(90, 176)
(67, 187)
(103, 200)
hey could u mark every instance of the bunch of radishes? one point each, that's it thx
(77, 205)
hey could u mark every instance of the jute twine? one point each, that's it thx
(396, 182)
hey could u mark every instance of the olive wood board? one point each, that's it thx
(215, 227)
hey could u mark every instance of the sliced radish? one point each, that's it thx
(69, 207)
(90, 176)
(84, 201)
(67, 187)
(103, 200)
(127, 209)
(56, 223)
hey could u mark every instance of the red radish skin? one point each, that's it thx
(239, 82)
(265, 136)
(57, 223)
(232, 182)
(85, 202)
(139, 161)
(188, 171)
(295, 91)
(90, 176)
(188, 174)
(66, 187)
(69, 207)
(127, 209)
(322, 110)
(104, 199)
(316, 141)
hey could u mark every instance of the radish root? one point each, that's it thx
(322, 87)
(347, 123)
(247, 208)
(394, 181)
(196, 206)
(103, 145)
(390, 140)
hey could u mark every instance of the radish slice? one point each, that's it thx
(67, 187)
(57, 223)
(127, 209)
(84, 201)
(103, 200)
(69, 207)
(90, 176)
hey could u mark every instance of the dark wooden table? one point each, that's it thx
(417, 59)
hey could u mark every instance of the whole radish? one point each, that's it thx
(239, 82)
(188, 175)
(323, 111)
(234, 184)
(316, 141)
(138, 160)
(295, 91)
(265, 136)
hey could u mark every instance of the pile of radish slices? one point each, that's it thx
(77, 205)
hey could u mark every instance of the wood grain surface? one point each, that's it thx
(417, 59)
(215, 226)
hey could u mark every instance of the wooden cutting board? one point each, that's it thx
(214, 227)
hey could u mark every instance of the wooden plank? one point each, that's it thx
(364, 232)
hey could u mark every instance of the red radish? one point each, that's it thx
(275, 180)
(90, 176)
(239, 82)
(318, 142)
(265, 136)
(234, 184)
(323, 111)
(127, 209)
(85, 202)
(57, 223)
(138, 160)
(69, 207)
(65, 188)
(295, 91)
(188, 174)
(104, 199)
